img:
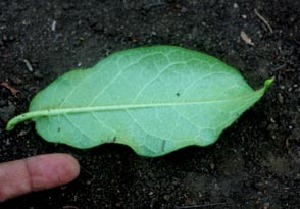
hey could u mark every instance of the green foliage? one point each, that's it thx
(153, 99)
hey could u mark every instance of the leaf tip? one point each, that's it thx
(268, 83)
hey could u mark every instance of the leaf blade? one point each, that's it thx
(160, 100)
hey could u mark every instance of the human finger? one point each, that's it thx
(36, 173)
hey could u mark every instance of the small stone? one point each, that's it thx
(280, 98)
(282, 87)
(75, 198)
(118, 204)
(166, 197)
(175, 182)
(266, 205)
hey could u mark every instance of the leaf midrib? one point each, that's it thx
(74, 110)
(138, 106)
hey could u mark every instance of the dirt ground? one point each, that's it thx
(254, 164)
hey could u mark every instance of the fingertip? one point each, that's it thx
(70, 168)
(36, 173)
(52, 170)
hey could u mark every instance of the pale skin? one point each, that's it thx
(35, 174)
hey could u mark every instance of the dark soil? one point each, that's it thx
(254, 164)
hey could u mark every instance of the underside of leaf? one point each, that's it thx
(153, 99)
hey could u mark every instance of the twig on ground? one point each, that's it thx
(264, 20)
(12, 90)
(28, 64)
(200, 206)
(53, 25)
(70, 207)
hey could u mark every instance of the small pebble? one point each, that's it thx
(280, 98)
(166, 197)
(88, 182)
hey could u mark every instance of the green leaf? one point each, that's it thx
(153, 99)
